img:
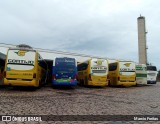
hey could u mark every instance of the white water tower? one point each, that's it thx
(142, 46)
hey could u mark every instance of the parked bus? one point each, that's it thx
(64, 71)
(93, 72)
(122, 73)
(141, 74)
(151, 74)
(24, 67)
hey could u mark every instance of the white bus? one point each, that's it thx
(141, 74)
(151, 74)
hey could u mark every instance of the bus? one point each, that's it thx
(122, 73)
(151, 74)
(24, 67)
(64, 71)
(141, 74)
(93, 72)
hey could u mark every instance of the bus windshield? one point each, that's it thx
(65, 67)
(151, 68)
(20, 60)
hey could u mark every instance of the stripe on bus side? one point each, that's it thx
(141, 75)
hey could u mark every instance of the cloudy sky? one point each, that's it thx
(105, 28)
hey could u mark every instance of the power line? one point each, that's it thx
(7, 44)
(52, 51)
(59, 52)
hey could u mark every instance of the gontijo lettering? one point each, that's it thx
(127, 69)
(20, 61)
(99, 68)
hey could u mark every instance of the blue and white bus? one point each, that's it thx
(64, 71)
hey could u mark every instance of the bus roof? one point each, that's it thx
(22, 49)
(86, 61)
(121, 61)
(151, 66)
(65, 57)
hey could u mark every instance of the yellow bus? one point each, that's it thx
(24, 67)
(122, 73)
(93, 72)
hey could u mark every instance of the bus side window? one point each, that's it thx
(112, 67)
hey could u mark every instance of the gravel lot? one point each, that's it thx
(140, 100)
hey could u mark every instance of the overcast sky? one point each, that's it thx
(105, 28)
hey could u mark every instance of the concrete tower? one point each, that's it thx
(142, 47)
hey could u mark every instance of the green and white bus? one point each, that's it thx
(141, 74)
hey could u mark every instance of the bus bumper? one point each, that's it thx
(126, 84)
(151, 82)
(141, 81)
(74, 83)
(102, 84)
(20, 83)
